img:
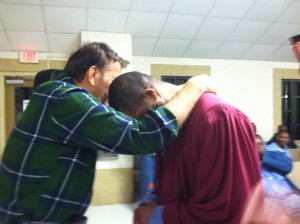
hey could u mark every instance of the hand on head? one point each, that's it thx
(203, 82)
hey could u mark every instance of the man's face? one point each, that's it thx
(295, 45)
(259, 146)
(103, 80)
(296, 50)
(282, 139)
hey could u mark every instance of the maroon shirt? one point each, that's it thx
(207, 174)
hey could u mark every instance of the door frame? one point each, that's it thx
(10, 108)
(26, 76)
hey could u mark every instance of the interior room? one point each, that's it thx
(244, 47)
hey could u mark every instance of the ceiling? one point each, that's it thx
(211, 29)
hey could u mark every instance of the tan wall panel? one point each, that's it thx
(295, 153)
(13, 65)
(157, 70)
(113, 186)
(294, 175)
(112, 199)
(57, 64)
(114, 174)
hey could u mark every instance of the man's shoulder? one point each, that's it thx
(214, 98)
(60, 92)
(214, 106)
(271, 147)
(59, 88)
(210, 100)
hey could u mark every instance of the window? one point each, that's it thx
(177, 80)
(290, 97)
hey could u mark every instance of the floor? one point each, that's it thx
(111, 214)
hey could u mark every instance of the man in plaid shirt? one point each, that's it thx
(48, 166)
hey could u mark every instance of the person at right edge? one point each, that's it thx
(269, 213)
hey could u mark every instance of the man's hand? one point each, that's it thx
(203, 82)
(143, 213)
(184, 101)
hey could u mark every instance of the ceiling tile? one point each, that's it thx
(181, 26)
(249, 31)
(216, 28)
(109, 4)
(25, 17)
(260, 51)
(292, 14)
(258, 10)
(73, 19)
(170, 47)
(145, 23)
(72, 3)
(192, 7)
(4, 44)
(195, 28)
(151, 5)
(202, 49)
(63, 43)
(279, 33)
(97, 20)
(25, 40)
(231, 8)
(143, 46)
(236, 50)
(284, 53)
(27, 2)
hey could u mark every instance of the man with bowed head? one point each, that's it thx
(208, 173)
(48, 166)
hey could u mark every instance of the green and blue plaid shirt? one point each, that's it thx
(48, 166)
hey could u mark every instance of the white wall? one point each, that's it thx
(247, 85)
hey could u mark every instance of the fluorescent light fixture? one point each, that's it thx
(14, 81)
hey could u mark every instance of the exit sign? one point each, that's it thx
(29, 57)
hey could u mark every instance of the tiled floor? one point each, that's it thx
(111, 214)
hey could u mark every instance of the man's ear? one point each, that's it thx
(150, 96)
(91, 75)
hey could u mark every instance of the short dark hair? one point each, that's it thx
(91, 54)
(259, 136)
(126, 91)
(283, 132)
(282, 127)
(44, 76)
(293, 40)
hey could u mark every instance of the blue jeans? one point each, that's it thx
(147, 174)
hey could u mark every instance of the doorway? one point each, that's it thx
(16, 97)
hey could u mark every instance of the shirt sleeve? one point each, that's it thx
(149, 197)
(278, 161)
(156, 217)
(80, 119)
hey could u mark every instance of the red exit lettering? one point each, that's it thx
(29, 57)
